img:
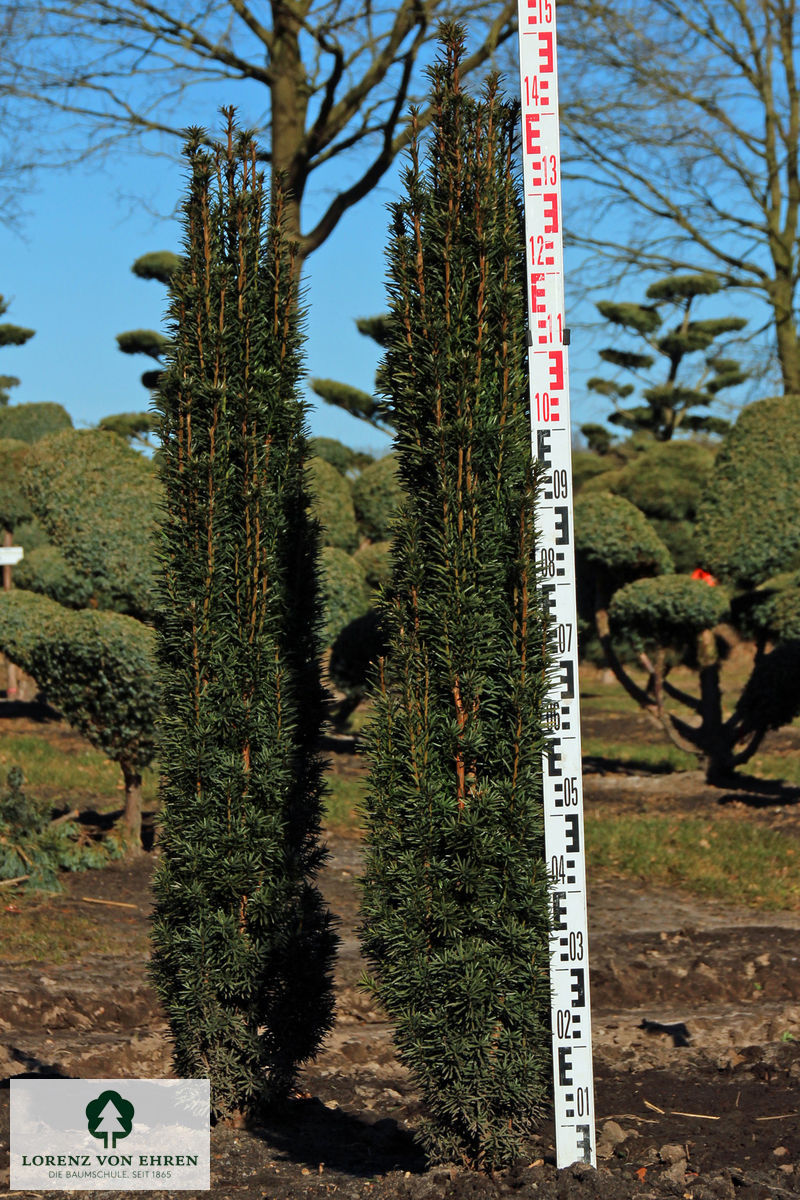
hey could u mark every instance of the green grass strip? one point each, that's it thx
(735, 861)
(645, 756)
(65, 774)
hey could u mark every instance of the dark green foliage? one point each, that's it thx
(377, 495)
(143, 341)
(598, 438)
(345, 591)
(30, 535)
(332, 505)
(587, 465)
(14, 504)
(748, 527)
(355, 654)
(10, 335)
(772, 610)
(643, 318)
(668, 611)
(455, 904)
(602, 481)
(242, 941)
(45, 570)
(98, 501)
(158, 264)
(666, 482)
(377, 328)
(338, 455)
(133, 427)
(375, 560)
(98, 669)
(352, 399)
(679, 538)
(614, 538)
(30, 422)
(34, 849)
(668, 403)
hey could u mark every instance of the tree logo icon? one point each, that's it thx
(109, 1116)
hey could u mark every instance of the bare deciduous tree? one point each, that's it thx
(326, 83)
(686, 118)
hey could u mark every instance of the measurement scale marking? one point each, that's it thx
(550, 420)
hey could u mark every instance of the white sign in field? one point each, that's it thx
(10, 555)
(552, 442)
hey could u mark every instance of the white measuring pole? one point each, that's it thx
(552, 445)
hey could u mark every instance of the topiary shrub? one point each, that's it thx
(338, 455)
(31, 422)
(588, 466)
(355, 654)
(30, 535)
(344, 589)
(614, 540)
(14, 504)
(667, 481)
(45, 570)
(748, 526)
(98, 669)
(747, 523)
(670, 610)
(332, 505)
(772, 610)
(98, 501)
(377, 495)
(34, 849)
(679, 538)
(375, 560)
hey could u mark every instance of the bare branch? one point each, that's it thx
(337, 76)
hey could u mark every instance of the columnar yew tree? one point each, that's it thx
(455, 905)
(243, 944)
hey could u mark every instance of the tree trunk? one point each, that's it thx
(132, 816)
(786, 334)
(716, 743)
(289, 108)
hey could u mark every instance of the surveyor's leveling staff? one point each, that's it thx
(550, 418)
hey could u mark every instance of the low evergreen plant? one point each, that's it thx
(35, 847)
(455, 900)
(242, 941)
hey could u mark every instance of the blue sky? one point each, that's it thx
(67, 275)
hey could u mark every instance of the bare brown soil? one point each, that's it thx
(696, 1007)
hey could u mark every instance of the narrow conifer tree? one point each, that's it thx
(455, 905)
(243, 944)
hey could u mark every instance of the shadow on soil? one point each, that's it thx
(758, 793)
(307, 1131)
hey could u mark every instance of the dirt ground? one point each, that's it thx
(696, 1023)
